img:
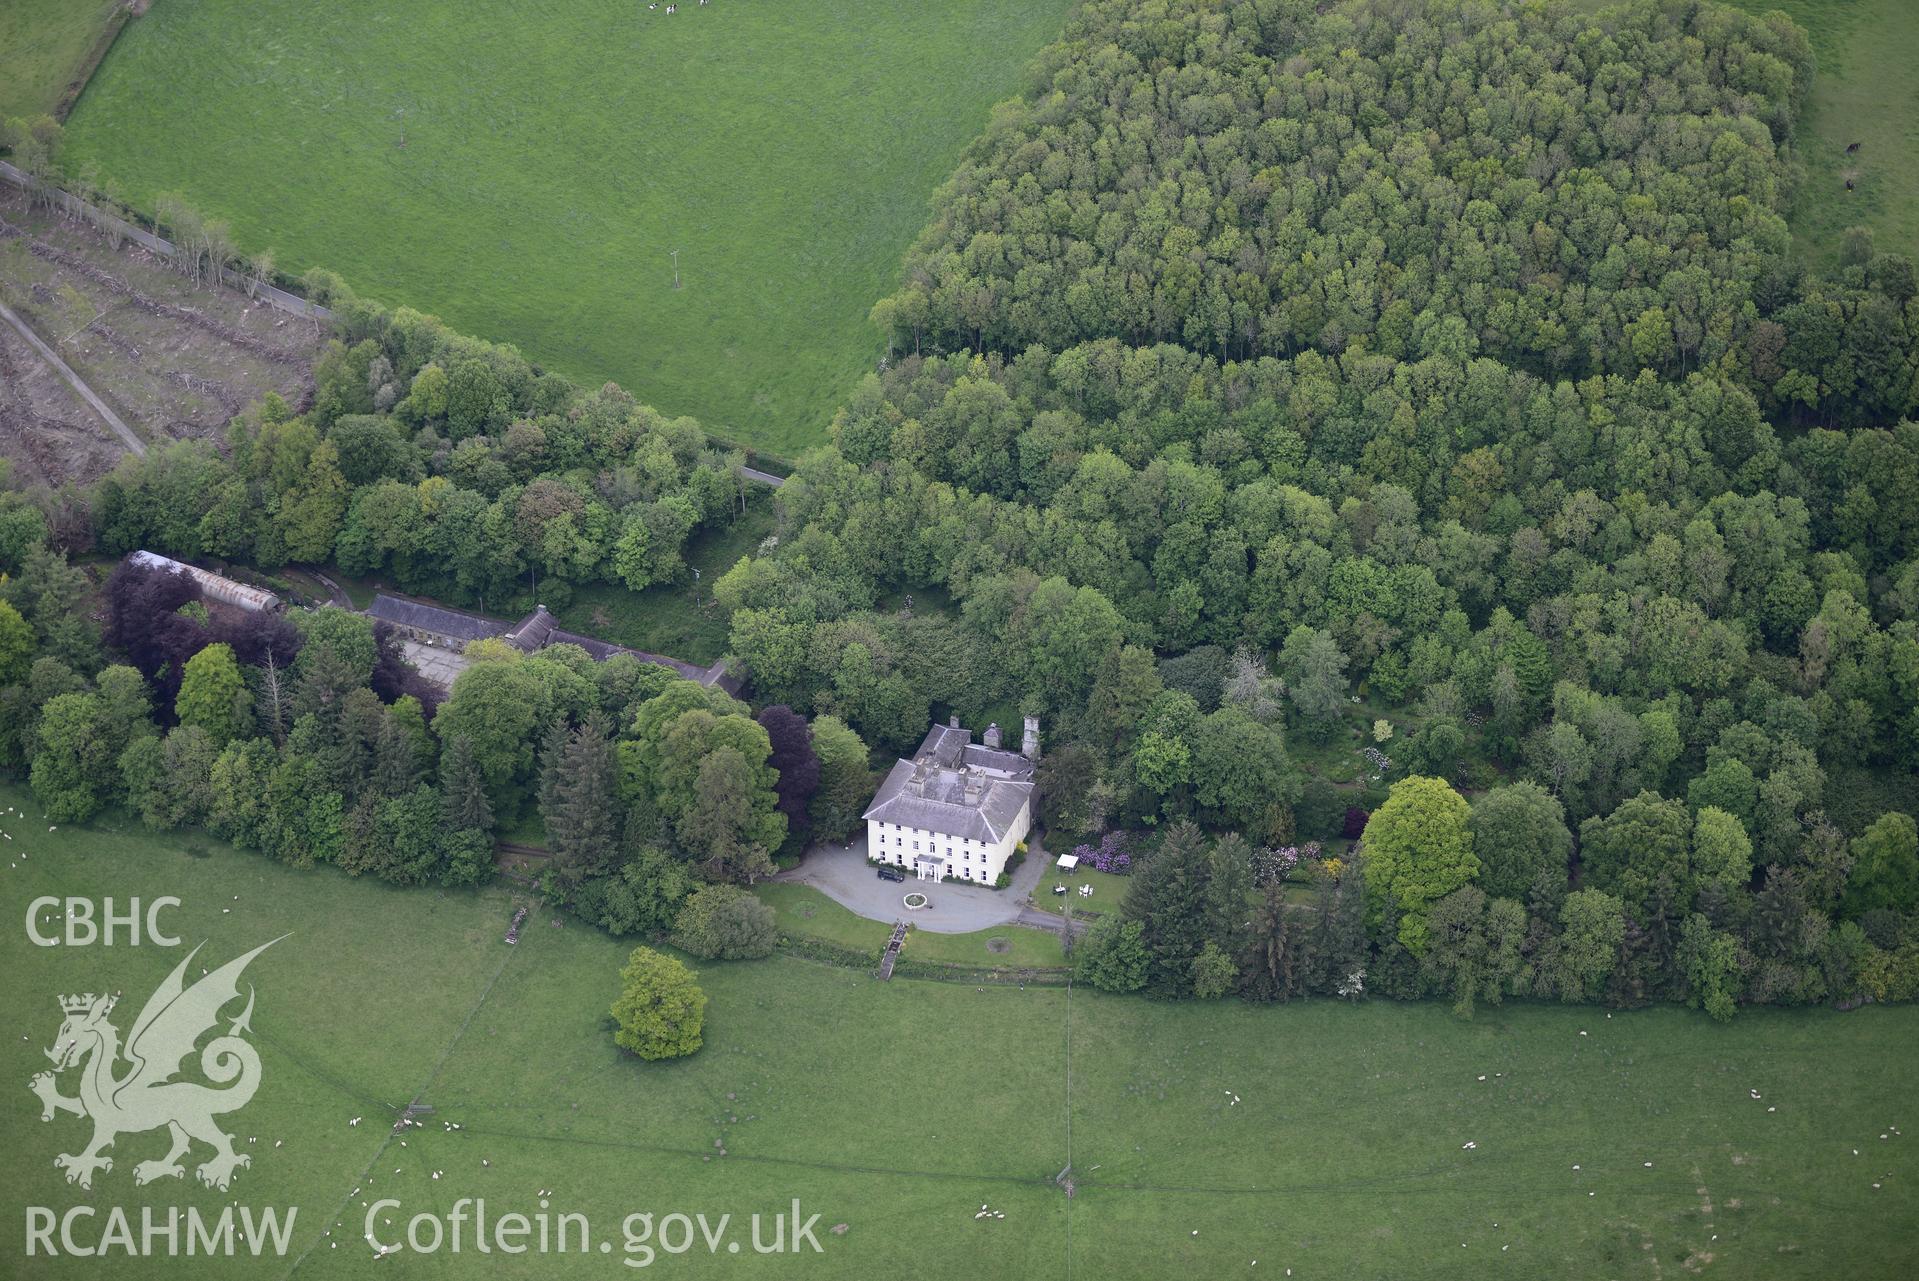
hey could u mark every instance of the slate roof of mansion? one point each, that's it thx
(931, 791)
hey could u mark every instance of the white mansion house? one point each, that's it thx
(958, 808)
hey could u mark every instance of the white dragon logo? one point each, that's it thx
(147, 1097)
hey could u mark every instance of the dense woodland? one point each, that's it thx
(1448, 357)
(308, 737)
(1567, 195)
(1449, 360)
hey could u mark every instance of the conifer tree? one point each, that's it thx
(1347, 953)
(1168, 897)
(553, 747)
(1229, 894)
(1275, 958)
(579, 801)
(463, 789)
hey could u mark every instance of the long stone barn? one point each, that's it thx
(433, 637)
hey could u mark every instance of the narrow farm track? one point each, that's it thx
(334, 590)
(86, 393)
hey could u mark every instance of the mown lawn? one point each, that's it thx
(898, 1109)
(526, 172)
(1109, 891)
(42, 46)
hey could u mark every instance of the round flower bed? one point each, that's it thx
(915, 901)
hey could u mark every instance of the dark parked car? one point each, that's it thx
(888, 872)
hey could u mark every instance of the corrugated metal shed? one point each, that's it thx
(212, 586)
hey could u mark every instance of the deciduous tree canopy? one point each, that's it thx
(661, 1008)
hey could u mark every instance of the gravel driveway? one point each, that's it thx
(841, 873)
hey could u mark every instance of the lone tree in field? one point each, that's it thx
(661, 1007)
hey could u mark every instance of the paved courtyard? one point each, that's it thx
(441, 666)
(841, 873)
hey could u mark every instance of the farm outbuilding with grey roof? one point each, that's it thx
(434, 624)
(443, 628)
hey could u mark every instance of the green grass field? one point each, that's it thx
(526, 171)
(1866, 91)
(899, 1108)
(43, 44)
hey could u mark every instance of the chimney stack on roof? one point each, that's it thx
(1029, 741)
(952, 722)
(991, 736)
